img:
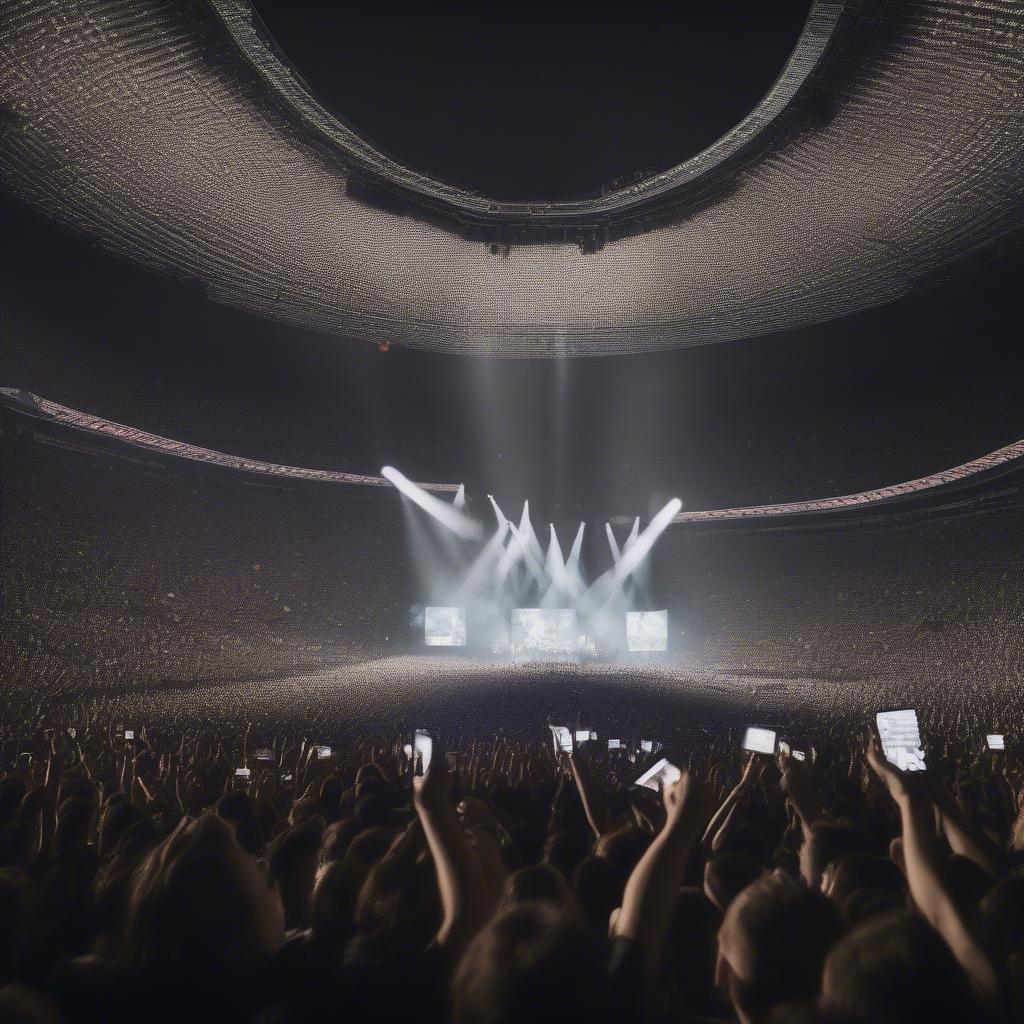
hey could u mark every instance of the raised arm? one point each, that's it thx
(595, 806)
(799, 787)
(924, 877)
(466, 899)
(721, 823)
(961, 835)
(649, 900)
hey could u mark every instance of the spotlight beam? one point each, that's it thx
(502, 519)
(577, 545)
(533, 563)
(641, 547)
(448, 516)
(613, 543)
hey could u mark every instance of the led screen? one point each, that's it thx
(647, 631)
(444, 627)
(544, 631)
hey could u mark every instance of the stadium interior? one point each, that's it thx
(367, 369)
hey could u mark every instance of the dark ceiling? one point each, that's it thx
(533, 99)
(885, 395)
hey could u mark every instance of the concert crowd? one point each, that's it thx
(244, 876)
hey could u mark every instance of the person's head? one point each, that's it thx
(373, 811)
(333, 907)
(199, 899)
(12, 792)
(537, 883)
(236, 807)
(1002, 929)
(531, 963)
(864, 871)
(399, 905)
(772, 944)
(370, 845)
(598, 891)
(294, 858)
(727, 875)
(565, 849)
(118, 816)
(688, 963)
(895, 969)
(336, 838)
(622, 849)
(330, 794)
(829, 843)
(74, 825)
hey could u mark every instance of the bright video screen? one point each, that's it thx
(444, 627)
(647, 631)
(545, 631)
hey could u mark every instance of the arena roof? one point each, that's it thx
(889, 153)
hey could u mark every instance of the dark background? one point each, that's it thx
(518, 102)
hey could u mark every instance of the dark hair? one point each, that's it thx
(336, 839)
(623, 849)
(537, 883)
(783, 931)
(598, 891)
(186, 904)
(531, 964)
(399, 907)
(895, 969)
(727, 875)
(565, 849)
(237, 808)
(688, 964)
(865, 871)
(370, 845)
(333, 906)
(294, 857)
(833, 841)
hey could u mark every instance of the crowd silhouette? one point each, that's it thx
(224, 876)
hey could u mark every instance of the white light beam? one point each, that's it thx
(456, 521)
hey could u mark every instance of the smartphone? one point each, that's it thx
(243, 776)
(562, 739)
(661, 774)
(264, 754)
(798, 755)
(407, 750)
(582, 735)
(901, 739)
(423, 751)
(593, 735)
(647, 746)
(614, 744)
(996, 741)
(129, 734)
(759, 741)
(322, 752)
